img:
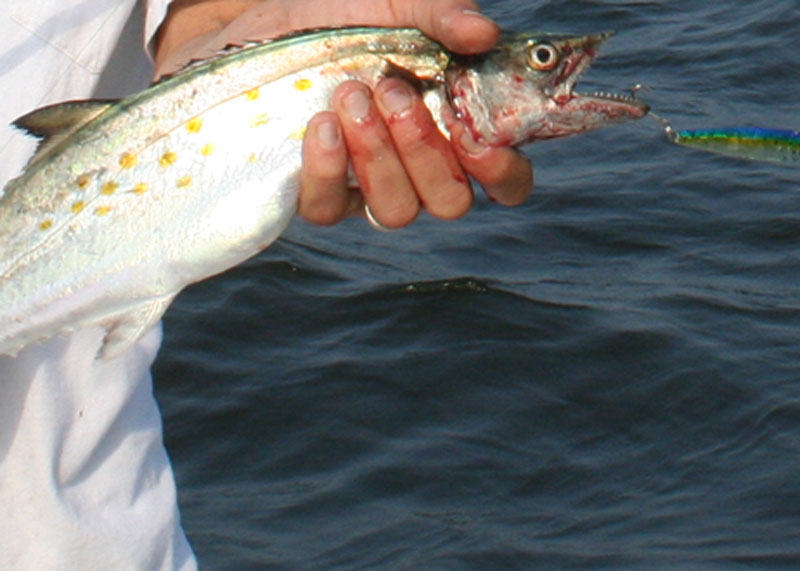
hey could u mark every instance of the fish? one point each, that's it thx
(754, 143)
(126, 202)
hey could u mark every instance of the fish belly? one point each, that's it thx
(174, 184)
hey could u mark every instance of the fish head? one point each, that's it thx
(524, 90)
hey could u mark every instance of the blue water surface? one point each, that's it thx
(607, 377)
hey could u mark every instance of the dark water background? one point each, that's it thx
(605, 378)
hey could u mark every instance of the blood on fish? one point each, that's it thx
(87, 191)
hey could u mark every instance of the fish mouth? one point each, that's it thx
(598, 108)
(614, 107)
(508, 109)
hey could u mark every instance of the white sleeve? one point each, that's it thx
(85, 482)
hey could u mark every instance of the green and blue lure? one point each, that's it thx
(755, 143)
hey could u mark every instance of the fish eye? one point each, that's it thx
(542, 57)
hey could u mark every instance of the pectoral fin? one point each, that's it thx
(126, 329)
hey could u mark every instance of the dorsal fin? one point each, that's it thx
(55, 123)
(231, 49)
(199, 62)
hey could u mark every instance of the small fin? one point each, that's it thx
(128, 327)
(195, 63)
(11, 351)
(418, 69)
(55, 123)
(231, 49)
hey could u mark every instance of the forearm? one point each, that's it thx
(191, 23)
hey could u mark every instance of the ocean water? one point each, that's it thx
(607, 377)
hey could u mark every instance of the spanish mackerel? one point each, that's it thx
(127, 202)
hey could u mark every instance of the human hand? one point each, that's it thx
(401, 160)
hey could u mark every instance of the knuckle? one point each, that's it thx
(505, 167)
(498, 170)
(399, 216)
(512, 191)
(326, 173)
(322, 213)
(454, 207)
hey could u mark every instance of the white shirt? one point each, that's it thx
(85, 482)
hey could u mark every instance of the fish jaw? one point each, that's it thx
(515, 95)
(588, 112)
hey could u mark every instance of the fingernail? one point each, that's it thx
(357, 105)
(329, 135)
(397, 100)
(451, 19)
(469, 144)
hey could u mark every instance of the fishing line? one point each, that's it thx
(752, 143)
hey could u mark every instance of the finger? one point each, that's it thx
(440, 182)
(384, 183)
(455, 23)
(324, 196)
(505, 175)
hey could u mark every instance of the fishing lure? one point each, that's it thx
(755, 143)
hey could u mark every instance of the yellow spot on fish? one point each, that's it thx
(82, 181)
(259, 120)
(141, 188)
(184, 181)
(128, 160)
(253, 158)
(78, 206)
(102, 210)
(253, 94)
(167, 159)
(45, 225)
(109, 188)
(207, 150)
(194, 125)
(298, 134)
(302, 84)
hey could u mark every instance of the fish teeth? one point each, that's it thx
(614, 96)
